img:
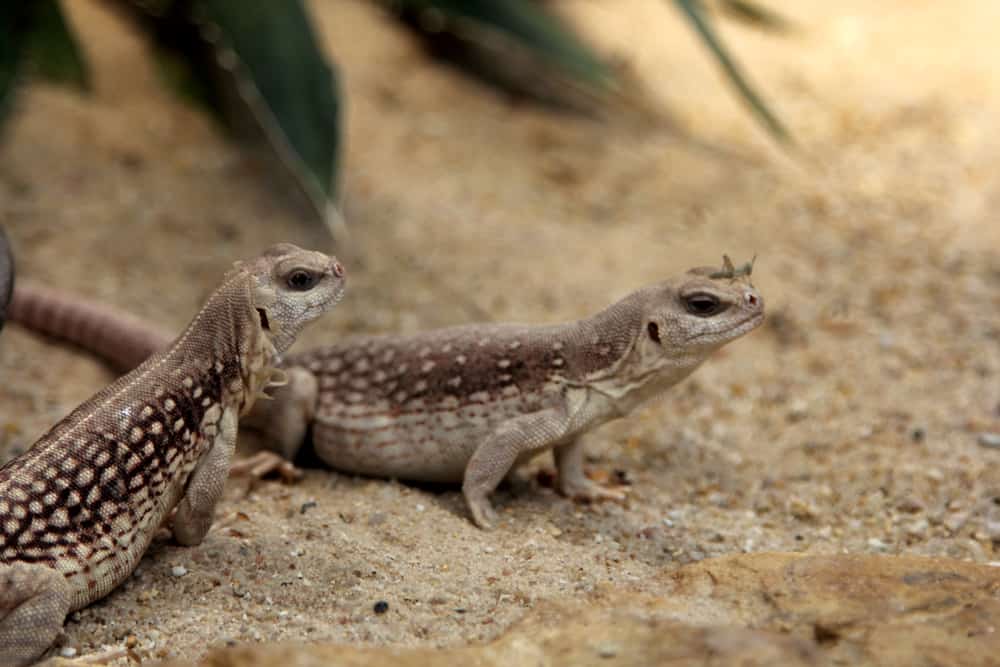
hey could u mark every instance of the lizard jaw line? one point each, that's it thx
(740, 328)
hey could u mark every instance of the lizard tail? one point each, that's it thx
(121, 339)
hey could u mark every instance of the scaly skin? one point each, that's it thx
(79, 509)
(466, 404)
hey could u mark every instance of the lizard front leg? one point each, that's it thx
(34, 601)
(494, 458)
(573, 482)
(204, 487)
(283, 421)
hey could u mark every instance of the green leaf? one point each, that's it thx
(52, 48)
(755, 15)
(273, 68)
(12, 38)
(693, 11)
(516, 44)
(259, 68)
(36, 33)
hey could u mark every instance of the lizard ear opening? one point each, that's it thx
(264, 324)
(654, 331)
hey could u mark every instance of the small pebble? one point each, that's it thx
(419, 507)
(989, 440)
(918, 528)
(993, 530)
(877, 544)
(68, 652)
(802, 510)
(607, 650)
(307, 506)
(798, 410)
(178, 571)
(910, 505)
(381, 607)
(918, 434)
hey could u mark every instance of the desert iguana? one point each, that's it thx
(79, 509)
(465, 404)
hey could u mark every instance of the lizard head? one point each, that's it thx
(695, 315)
(292, 287)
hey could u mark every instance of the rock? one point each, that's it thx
(989, 440)
(802, 510)
(748, 609)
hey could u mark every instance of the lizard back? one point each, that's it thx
(416, 406)
(87, 498)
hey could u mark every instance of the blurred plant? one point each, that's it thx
(6, 276)
(521, 46)
(694, 11)
(259, 67)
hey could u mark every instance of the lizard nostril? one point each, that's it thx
(338, 269)
(751, 299)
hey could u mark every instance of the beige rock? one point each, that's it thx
(750, 609)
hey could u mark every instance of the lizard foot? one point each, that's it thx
(93, 659)
(483, 514)
(265, 463)
(581, 488)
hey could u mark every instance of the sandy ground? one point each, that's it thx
(850, 422)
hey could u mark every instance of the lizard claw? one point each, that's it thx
(263, 463)
(482, 512)
(92, 660)
(586, 489)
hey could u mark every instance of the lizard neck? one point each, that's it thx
(227, 338)
(614, 366)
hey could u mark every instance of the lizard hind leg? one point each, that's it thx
(494, 457)
(573, 482)
(34, 601)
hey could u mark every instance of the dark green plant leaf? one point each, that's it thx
(260, 68)
(36, 33)
(516, 44)
(183, 79)
(694, 12)
(755, 15)
(52, 48)
(271, 59)
(12, 38)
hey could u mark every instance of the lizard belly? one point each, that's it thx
(429, 444)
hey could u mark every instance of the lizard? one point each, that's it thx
(6, 275)
(467, 403)
(80, 507)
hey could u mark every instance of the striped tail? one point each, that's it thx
(121, 339)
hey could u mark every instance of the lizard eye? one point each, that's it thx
(301, 280)
(702, 305)
(654, 331)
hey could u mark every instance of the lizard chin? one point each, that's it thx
(723, 336)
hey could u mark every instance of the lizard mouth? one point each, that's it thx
(738, 329)
(329, 302)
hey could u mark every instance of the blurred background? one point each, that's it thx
(532, 161)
